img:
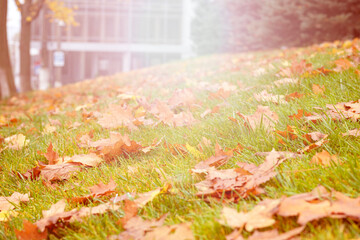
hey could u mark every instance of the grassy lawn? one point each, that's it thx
(228, 84)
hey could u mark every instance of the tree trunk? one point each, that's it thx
(25, 38)
(5, 63)
(44, 76)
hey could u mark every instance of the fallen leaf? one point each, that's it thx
(286, 81)
(268, 97)
(299, 115)
(324, 158)
(263, 116)
(317, 89)
(59, 172)
(50, 155)
(174, 232)
(16, 142)
(274, 234)
(354, 132)
(260, 216)
(30, 232)
(293, 96)
(98, 190)
(9, 203)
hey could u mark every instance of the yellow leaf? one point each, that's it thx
(7, 214)
(193, 151)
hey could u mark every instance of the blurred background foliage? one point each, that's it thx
(243, 25)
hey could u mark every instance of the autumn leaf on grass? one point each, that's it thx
(182, 97)
(98, 190)
(9, 203)
(48, 129)
(59, 172)
(89, 211)
(117, 117)
(264, 96)
(220, 94)
(342, 64)
(320, 204)
(293, 96)
(260, 216)
(316, 139)
(136, 228)
(263, 116)
(220, 158)
(286, 81)
(30, 232)
(299, 115)
(116, 145)
(274, 234)
(289, 133)
(180, 231)
(354, 132)
(324, 158)
(317, 89)
(90, 160)
(234, 184)
(16, 142)
(50, 155)
(208, 111)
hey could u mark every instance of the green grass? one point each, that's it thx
(295, 176)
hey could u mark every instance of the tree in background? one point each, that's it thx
(265, 24)
(29, 10)
(5, 63)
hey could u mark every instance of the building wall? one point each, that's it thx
(115, 36)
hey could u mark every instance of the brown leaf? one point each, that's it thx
(293, 96)
(91, 160)
(263, 115)
(8, 203)
(89, 211)
(286, 81)
(234, 184)
(182, 97)
(117, 117)
(300, 114)
(30, 232)
(317, 89)
(274, 234)
(16, 142)
(136, 228)
(130, 210)
(60, 171)
(324, 158)
(51, 155)
(268, 97)
(54, 215)
(174, 232)
(317, 139)
(260, 216)
(354, 132)
(98, 190)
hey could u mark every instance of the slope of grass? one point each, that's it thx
(295, 176)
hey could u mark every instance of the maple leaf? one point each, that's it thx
(218, 160)
(89, 211)
(116, 145)
(354, 132)
(50, 155)
(317, 89)
(98, 190)
(274, 234)
(293, 96)
(317, 139)
(299, 115)
(174, 232)
(59, 172)
(9, 203)
(286, 81)
(260, 216)
(130, 211)
(17, 141)
(268, 97)
(136, 228)
(288, 134)
(182, 97)
(342, 64)
(220, 94)
(91, 160)
(234, 184)
(324, 158)
(30, 232)
(117, 117)
(263, 116)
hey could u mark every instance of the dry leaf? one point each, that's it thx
(263, 116)
(98, 190)
(16, 142)
(324, 158)
(317, 89)
(354, 132)
(30, 232)
(9, 203)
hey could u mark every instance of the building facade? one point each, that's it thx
(116, 36)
